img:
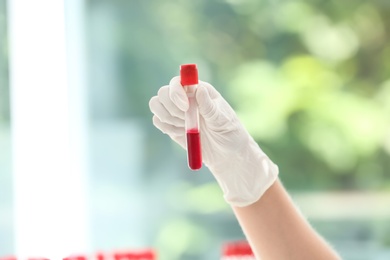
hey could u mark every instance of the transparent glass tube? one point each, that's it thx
(194, 148)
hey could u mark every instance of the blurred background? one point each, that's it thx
(309, 79)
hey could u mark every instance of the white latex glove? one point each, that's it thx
(241, 168)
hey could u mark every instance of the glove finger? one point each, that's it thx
(180, 139)
(206, 105)
(163, 96)
(177, 94)
(162, 113)
(168, 129)
(212, 91)
(175, 133)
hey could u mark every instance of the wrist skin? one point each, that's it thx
(277, 230)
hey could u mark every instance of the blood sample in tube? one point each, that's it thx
(189, 81)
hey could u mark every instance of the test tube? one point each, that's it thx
(189, 81)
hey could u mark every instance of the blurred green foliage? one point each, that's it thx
(309, 79)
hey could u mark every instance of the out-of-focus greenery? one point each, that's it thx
(308, 78)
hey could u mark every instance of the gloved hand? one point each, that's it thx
(241, 168)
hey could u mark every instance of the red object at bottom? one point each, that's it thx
(194, 149)
(237, 249)
(76, 257)
(141, 255)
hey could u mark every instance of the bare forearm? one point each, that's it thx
(276, 229)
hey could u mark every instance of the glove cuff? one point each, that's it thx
(246, 177)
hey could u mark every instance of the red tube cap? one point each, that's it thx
(188, 74)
